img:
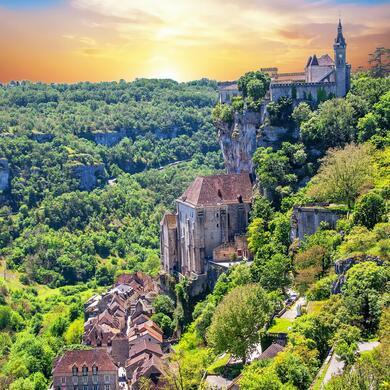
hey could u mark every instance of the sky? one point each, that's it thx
(99, 40)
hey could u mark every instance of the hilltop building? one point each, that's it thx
(321, 76)
(209, 225)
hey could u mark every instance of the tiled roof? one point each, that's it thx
(272, 351)
(219, 189)
(97, 357)
(143, 346)
(325, 60)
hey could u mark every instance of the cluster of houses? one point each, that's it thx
(123, 345)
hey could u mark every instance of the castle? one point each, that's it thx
(208, 227)
(322, 76)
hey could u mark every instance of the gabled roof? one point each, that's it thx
(219, 189)
(325, 60)
(78, 358)
(272, 351)
(314, 61)
(144, 346)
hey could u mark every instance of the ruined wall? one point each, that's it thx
(306, 220)
(4, 174)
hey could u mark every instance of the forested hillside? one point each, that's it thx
(90, 175)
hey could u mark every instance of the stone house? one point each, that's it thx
(85, 370)
(211, 212)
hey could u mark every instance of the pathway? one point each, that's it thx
(293, 312)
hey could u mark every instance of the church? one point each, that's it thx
(322, 77)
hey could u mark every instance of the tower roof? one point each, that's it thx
(340, 41)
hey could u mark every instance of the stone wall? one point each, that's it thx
(302, 91)
(4, 175)
(306, 220)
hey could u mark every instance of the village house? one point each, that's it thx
(85, 370)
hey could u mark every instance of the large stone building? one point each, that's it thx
(85, 370)
(322, 77)
(213, 211)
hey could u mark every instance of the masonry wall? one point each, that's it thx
(307, 220)
(168, 248)
(104, 378)
(303, 91)
(201, 230)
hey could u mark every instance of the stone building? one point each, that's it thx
(85, 370)
(322, 77)
(306, 220)
(211, 212)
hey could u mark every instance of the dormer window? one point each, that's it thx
(85, 370)
(75, 370)
(94, 370)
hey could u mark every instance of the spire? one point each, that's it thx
(340, 41)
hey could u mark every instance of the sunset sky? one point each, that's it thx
(75, 40)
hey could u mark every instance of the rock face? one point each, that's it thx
(238, 141)
(4, 174)
(42, 137)
(109, 139)
(89, 176)
(306, 220)
(342, 266)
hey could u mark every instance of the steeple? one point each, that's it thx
(340, 41)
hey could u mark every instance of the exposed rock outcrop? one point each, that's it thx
(89, 176)
(342, 266)
(238, 141)
(109, 139)
(4, 174)
(41, 137)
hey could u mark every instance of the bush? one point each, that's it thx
(321, 290)
(369, 210)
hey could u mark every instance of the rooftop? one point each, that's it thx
(79, 358)
(219, 189)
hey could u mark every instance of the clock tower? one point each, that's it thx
(342, 69)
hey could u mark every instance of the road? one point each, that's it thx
(336, 366)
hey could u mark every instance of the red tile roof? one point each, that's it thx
(144, 346)
(98, 357)
(219, 189)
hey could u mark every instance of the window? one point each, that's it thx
(106, 387)
(94, 370)
(95, 387)
(85, 371)
(85, 387)
(75, 388)
(107, 378)
(75, 371)
(63, 380)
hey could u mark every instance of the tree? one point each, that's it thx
(256, 377)
(301, 113)
(369, 210)
(238, 319)
(332, 125)
(280, 111)
(364, 284)
(345, 342)
(380, 62)
(74, 332)
(164, 322)
(163, 304)
(343, 174)
(254, 85)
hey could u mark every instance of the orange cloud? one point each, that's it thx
(110, 39)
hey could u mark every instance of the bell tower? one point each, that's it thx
(340, 60)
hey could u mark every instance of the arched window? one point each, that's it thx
(85, 370)
(94, 370)
(75, 370)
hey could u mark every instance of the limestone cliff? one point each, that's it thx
(238, 141)
(89, 176)
(4, 174)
